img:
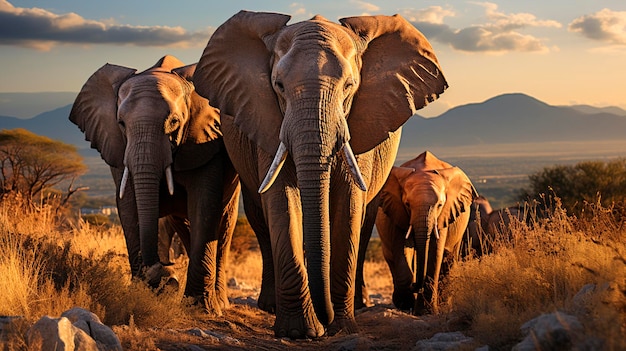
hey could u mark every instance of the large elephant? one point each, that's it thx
(164, 146)
(421, 221)
(312, 115)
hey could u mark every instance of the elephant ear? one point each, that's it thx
(95, 112)
(399, 58)
(460, 193)
(234, 73)
(391, 197)
(202, 139)
(167, 63)
(186, 72)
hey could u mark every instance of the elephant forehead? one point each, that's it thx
(317, 34)
(158, 89)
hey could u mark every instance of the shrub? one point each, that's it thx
(540, 270)
(579, 184)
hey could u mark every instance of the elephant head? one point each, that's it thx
(318, 92)
(146, 124)
(424, 202)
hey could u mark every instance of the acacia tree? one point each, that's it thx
(575, 185)
(31, 163)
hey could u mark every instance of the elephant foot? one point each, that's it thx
(344, 325)
(209, 304)
(162, 278)
(267, 300)
(222, 299)
(301, 326)
(403, 299)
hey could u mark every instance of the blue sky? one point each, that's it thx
(559, 51)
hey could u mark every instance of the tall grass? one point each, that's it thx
(540, 268)
(47, 268)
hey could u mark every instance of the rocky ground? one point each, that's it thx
(245, 327)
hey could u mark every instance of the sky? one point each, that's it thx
(563, 52)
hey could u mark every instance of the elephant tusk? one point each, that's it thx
(436, 233)
(354, 167)
(277, 164)
(123, 182)
(170, 179)
(408, 232)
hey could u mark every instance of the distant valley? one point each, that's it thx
(509, 119)
(498, 142)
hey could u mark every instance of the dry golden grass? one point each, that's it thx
(540, 269)
(50, 265)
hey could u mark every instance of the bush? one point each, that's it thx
(541, 269)
(580, 184)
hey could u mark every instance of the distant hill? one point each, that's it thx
(28, 105)
(512, 118)
(53, 124)
(504, 119)
(592, 109)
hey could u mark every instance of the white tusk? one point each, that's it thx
(170, 179)
(277, 164)
(354, 167)
(436, 233)
(123, 182)
(408, 232)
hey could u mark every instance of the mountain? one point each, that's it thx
(54, 124)
(27, 105)
(592, 109)
(512, 118)
(504, 119)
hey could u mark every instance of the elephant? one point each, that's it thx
(166, 154)
(500, 221)
(313, 137)
(423, 214)
(476, 241)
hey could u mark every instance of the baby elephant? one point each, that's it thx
(421, 220)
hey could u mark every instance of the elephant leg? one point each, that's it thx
(254, 213)
(230, 211)
(295, 315)
(127, 211)
(346, 219)
(361, 294)
(166, 234)
(204, 207)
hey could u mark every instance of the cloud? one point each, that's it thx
(500, 34)
(365, 6)
(605, 25)
(41, 29)
(297, 9)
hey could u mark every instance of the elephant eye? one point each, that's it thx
(349, 85)
(122, 125)
(279, 86)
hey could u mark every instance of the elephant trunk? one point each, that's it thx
(314, 182)
(146, 183)
(423, 230)
(147, 157)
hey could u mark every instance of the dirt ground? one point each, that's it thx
(245, 327)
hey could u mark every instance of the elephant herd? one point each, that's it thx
(304, 121)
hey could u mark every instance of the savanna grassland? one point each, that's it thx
(53, 261)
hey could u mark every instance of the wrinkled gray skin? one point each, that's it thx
(424, 211)
(149, 124)
(308, 96)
